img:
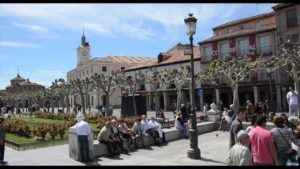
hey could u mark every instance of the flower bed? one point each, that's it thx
(43, 128)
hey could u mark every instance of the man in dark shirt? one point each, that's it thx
(184, 112)
(236, 126)
(2, 141)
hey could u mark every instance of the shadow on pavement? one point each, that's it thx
(93, 163)
(210, 160)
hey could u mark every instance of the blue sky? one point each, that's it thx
(41, 39)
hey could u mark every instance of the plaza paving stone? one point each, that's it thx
(213, 151)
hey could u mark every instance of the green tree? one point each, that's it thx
(105, 82)
(287, 60)
(230, 72)
(78, 87)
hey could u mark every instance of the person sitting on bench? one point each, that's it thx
(156, 126)
(105, 136)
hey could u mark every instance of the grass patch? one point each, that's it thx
(33, 120)
(23, 143)
(19, 140)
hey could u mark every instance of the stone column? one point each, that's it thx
(278, 98)
(218, 97)
(201, 101)
(149, 102)
(285, 104)
(255, 93)
(165, 100)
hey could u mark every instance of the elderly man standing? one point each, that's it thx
(235, 127)
(239, 154)
(2, 141)
(292, 99)
(83, 131)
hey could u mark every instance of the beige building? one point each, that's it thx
(88, 66)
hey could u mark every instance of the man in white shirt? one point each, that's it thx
(157, 127)
(83, 131)
(292, 99)
(145, 125)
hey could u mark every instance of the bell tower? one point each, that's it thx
(83, 51)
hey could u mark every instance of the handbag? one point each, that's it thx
(291, 153)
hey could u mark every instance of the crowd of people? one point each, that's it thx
(257, 145)
(119, 138)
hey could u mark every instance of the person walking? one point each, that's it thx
(252, 125)
(2, 141)
(181, 126)
(231, 115)
(262, 144)
(83, 131)
(283, 138)
(236, 126)
(249, 110)
(297, 142)
(292, 99)
(239, 154)
(224, 120)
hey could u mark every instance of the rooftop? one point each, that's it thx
(18, 77)
(243, 20)
(239, 33)
(171, 56)
(125, 59)
(281, 6)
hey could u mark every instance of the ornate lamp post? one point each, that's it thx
(194, 151)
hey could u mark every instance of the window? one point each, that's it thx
(243, 47)
(265, 44)
(294, 38)
(207, 52)
(104, 69)
(224, 50)
(291, 18)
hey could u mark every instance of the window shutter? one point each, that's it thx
(252, 46)
(232, 47)
(215, 50)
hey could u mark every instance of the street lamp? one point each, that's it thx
(194, 151)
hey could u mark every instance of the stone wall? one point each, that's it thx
(171, 135)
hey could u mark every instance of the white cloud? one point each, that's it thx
(15, 44)
(34, 28)
(115, 19)
(109, 18)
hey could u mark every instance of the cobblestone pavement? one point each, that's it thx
(213, 151)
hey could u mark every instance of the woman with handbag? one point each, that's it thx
(283, 138)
